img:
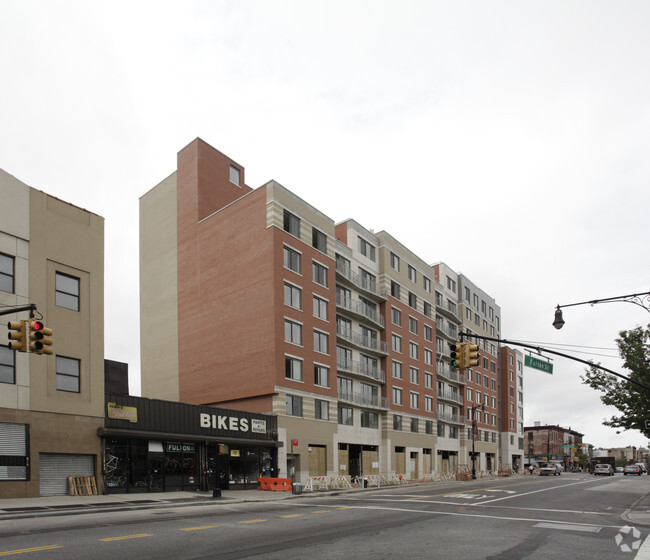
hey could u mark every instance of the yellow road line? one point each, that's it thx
(200, 528)
(254, 521)
(322, 511)
(35, 549)
(293, 515)
(127, 537)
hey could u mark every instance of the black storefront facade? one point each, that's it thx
(151, 445)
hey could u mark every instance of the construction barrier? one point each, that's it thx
(82, 485)
(275, 484)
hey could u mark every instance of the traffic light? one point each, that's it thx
(40, 338)
(471, 355)
(458, 355)
(17, 335)
(454, 353)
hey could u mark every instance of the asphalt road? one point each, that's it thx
(570, 516)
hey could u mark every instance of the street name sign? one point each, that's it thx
(538, 364)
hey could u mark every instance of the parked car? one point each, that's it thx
(550, 469)
(604, 469)
(619, 469)
(632, 469)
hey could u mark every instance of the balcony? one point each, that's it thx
(445, 372)
(360, 309)
(363, 284)
(450, 396)
(451, 418)
(362, 341)
(361, 369)
(367, 401)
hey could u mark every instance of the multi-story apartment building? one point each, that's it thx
(52, 256)
(511, 407)
(552, 443)
(255, 300)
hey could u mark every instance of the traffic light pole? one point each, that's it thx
(31, 308)
(539, 350)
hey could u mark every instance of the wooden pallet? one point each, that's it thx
(82, 485)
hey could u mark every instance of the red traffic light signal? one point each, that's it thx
(40, 340)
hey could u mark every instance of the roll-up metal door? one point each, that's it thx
(13, 451)
(55, 469)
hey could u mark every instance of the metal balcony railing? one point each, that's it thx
(451, 418)
(361, 368)
(367, 342)
(363, 400)
(360, 308)
(365, 284)
(451, 375)
(450, 396)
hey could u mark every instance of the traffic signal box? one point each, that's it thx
(40, 338)
(17, 335)
(457, 354)
(471, 355)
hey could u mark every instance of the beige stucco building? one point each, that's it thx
(52, 256)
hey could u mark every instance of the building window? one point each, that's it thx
(453, 432)
(415, 401)
(413, 350)
(415, 425)
(366, 249)
(320, 308)
(292, 332)
(413, 325)
(292, 296)
(67, 291)
(345, 416)
(292, 223)
(414, 374)
(397, 343)
(68, 374)
(321, 342)
(397, 370)
(292, 259)
(293, 368)
(451, 284)
(397, 422)
(14, 451)
(7, 273)
(318, 240)
(321, 376)
(294, 405)
(413, 300)
(394, 261)
(428, 427)
(7, 365)
(234, 175)
(427, 309)
(428, 380)
(413, 275)
(369, 419)
(428, 357)
(396, 316)
(441, 430)
(428, 333)
(397, 396)
(320, 274)
(428, 404)
(394, 289)
(427, 284)
(322, 410)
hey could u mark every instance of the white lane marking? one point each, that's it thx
(567, 527)
(532, 492)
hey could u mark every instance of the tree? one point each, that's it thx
(630, 399)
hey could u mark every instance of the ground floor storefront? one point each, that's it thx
(159, 446)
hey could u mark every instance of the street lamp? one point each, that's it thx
(642, 300)
(473, 409)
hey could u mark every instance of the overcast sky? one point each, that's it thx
(507, 139)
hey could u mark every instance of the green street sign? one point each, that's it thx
(538, 364)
